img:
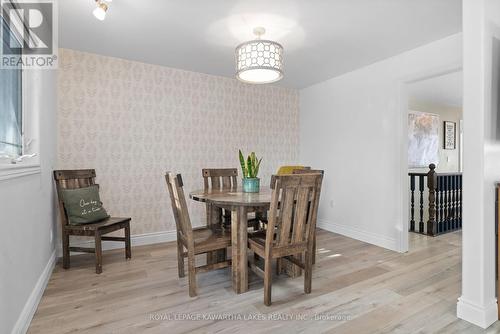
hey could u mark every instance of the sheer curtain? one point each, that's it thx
(10, 105)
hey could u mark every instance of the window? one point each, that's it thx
(17, 152)
(11, 104)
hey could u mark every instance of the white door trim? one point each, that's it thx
(402, 137)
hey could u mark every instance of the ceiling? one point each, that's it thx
(322, 39)
(444, 90)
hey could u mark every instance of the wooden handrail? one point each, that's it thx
(417, 174)
(440, 174)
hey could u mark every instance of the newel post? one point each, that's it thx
(432, 184)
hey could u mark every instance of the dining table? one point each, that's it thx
(240, 204)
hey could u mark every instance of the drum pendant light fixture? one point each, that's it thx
(259, 61)
(101, 9)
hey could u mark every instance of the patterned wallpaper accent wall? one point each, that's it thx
(133, 121)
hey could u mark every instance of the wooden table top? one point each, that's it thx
(233, 197)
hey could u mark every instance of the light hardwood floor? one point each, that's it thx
(360, 287)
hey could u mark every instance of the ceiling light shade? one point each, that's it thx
(259, 61)
(100, 11)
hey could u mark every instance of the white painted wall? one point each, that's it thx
(481, 29)
(27, 205)
(352, 126)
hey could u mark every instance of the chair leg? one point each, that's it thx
(209, 212)
(256, 257)
(98, 253)
(295, 270)
(65, 245)
(259, 216)
(279, 266)
(218, 220)
(214, 220)
(128, 246)
(180, 257)
(267, 281)
(308, 272)
(314, 250)
(192, 275)
(226, 217)
(256, 222)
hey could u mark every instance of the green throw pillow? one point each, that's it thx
(83, 205)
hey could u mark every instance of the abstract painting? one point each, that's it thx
(423, 139)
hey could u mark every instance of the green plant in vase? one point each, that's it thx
(250, 170)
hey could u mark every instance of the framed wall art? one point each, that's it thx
(450, 135)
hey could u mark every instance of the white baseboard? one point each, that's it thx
(482, 316)
(137, 240)
(29, 309)
(355, 233)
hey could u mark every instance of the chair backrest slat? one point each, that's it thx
(220, 178)
(215, 182)
(300, 216)
(286, 215)
(283, 170)
(226, 182)
(293, 210)
(308, 171)
(71, 179)
(82, 183)
(179, 205)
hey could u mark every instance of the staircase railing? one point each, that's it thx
(444, 207)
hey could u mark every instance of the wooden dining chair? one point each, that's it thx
(81, 178)
(283, 170)
(224, 179)
(199, 240)
(310, 171)
(220, 178)
(284, 266)
(292, 221)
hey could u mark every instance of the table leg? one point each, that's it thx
(239, 221)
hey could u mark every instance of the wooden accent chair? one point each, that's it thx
(310, 171)
(291, 227)
(73, 179)
(196, 241)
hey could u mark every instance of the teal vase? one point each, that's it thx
(251, 185)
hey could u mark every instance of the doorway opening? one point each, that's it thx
(434, 124)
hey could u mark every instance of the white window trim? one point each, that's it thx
(13, 171)
(30, 133)
(31, 119)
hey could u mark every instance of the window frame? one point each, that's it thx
(10, 168)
